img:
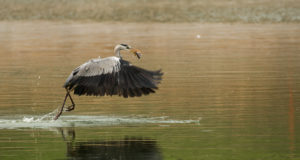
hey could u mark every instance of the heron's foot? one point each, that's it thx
(70, 108)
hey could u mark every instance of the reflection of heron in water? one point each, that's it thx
(110, 76)
(129, 148)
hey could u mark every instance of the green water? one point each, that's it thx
(228, 92)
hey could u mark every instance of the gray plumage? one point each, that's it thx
(95, 67)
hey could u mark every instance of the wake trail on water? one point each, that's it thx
(46, 121)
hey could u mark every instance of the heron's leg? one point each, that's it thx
(71, 107)
(62, 107)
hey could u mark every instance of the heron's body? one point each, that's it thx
(110, 76)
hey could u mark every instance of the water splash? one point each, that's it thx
(46, 121)
(46, 117)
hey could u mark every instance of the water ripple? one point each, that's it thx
(46, 121)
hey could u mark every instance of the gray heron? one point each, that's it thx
(110, 76)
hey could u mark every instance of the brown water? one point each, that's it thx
(228, 92)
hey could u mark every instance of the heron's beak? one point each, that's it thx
(136, 52)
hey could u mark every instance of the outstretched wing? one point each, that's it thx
(112, 76)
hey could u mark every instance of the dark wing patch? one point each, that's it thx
(130, 81)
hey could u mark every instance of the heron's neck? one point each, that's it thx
(117, 52)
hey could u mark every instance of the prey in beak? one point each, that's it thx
(136, 52)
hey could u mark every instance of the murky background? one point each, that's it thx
(228, 92)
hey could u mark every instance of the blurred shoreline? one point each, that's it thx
(164, 11)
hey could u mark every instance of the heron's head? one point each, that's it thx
(135, 51)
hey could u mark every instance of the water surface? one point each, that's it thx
(228, 92)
